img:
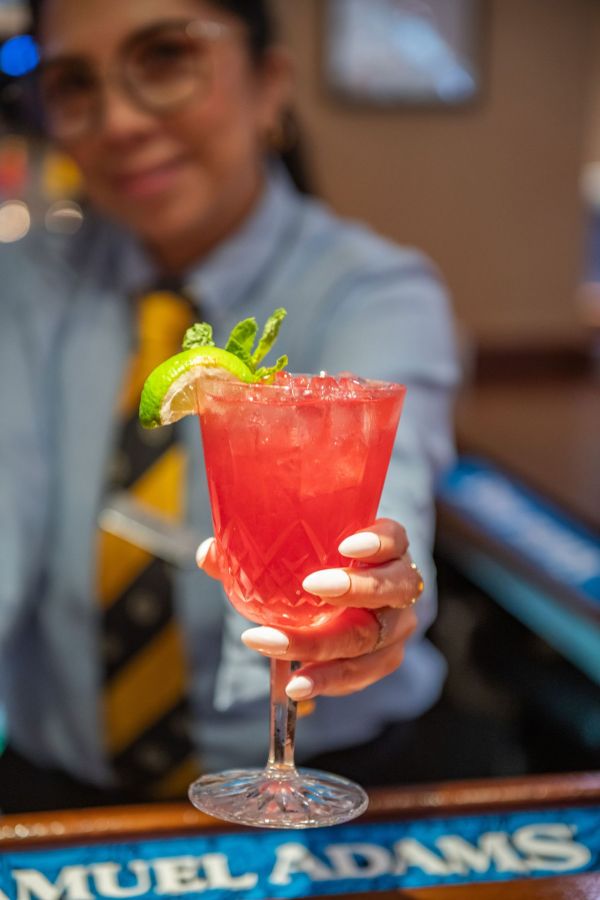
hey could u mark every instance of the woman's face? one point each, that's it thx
(180, 179)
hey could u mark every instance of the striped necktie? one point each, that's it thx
(145, 707)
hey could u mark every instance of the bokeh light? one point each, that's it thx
(60, 176)
(15, 221)
(64, 217)
(14, 164)
(19, 55)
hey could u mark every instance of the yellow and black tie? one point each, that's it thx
(145, 705)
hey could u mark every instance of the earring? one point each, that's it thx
(283, 136)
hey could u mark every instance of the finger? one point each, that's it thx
(206, 558)
(397, 583)
(352, 633)
(383, 541)
(345, 676)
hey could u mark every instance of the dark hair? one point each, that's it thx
(255, 14)
(258, 19)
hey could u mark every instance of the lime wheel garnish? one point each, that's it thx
(171, 390)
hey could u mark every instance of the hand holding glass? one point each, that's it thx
(293, 468)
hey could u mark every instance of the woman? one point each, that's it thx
(172, 112)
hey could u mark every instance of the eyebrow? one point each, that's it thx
(145, 31)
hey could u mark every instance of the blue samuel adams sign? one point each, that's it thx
(348, 859)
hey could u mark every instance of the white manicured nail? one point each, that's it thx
(266, 640)
(203, 550)
(365, 543)
(327, 583)
(300, 687)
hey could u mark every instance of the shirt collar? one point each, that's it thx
(222, 279)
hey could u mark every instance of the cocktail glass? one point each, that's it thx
(293, 468)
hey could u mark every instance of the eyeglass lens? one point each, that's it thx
(159, 70)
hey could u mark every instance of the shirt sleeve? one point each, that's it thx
(396, 326)
(23, 462)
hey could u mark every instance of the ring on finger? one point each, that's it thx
(420, 585)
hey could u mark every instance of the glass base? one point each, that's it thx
(278, 798)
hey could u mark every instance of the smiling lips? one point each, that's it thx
(146, 183)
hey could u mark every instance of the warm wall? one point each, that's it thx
(592, 133)
(490, 191)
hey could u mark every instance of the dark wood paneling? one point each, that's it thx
(545, 431)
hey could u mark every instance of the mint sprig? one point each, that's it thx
(198, 335)
(243, 335)
(241, 341)
(269, 335)
(267, 372)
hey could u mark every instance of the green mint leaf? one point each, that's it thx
(198, 335)
(240, 351)
(269, 335)
(241, 341)
(243, 334)
(266, 373)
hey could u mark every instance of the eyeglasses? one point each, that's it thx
(160, 70)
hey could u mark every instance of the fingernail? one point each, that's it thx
(327, 583)
(365, 543)
(202, 551)
(300, 687)
(266, 640)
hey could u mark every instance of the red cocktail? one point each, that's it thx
(293, 468)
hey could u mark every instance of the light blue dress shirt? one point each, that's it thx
(356, 302)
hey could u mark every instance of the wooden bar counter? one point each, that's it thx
(513, 839)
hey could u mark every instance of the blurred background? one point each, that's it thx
(472, 132)
(490, 162)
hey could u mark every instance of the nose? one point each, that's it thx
(122, 118)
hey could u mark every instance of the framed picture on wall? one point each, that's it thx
(416, 52)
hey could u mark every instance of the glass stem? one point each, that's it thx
(283, 717)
